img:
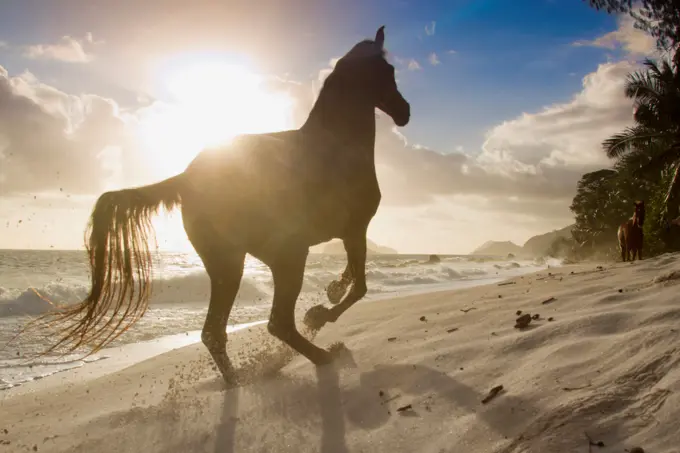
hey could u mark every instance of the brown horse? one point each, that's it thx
(630, 234)
(269, 195)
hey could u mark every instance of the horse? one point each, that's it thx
(270, 195)
(630, 234)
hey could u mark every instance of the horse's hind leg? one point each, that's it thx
(288, 272)
(225, 272)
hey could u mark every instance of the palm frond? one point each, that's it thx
(643, 87)
(632, 137)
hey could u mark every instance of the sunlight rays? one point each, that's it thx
(210, 103)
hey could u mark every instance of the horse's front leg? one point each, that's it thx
(640, 248)
(355, 246)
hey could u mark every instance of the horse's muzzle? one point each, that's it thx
(397, 108)
(402, 114)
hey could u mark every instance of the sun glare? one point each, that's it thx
(211, 102)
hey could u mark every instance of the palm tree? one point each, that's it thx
(652, 144)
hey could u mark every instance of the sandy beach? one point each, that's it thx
(600, 361)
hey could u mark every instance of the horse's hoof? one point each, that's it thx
(336, 290)
(317, 317)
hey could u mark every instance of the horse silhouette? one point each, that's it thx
(630, 234)
(270, 195)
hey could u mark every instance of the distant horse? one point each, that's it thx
(630, 234)
(270, 195)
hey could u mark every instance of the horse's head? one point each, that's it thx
(639, 215)
(365, 71)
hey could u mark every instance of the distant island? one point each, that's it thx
(335, 247)
(536, 246)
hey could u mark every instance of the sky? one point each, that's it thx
(510, 102)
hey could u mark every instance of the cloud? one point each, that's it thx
(433, 59)
(67, 49)
(50, 140)
(413, 65)
(529, 164)
(633, 41)
(430, 28)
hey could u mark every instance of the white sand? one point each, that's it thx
(607, 364)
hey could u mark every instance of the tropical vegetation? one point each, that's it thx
(645, 156)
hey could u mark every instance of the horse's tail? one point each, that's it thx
(120, 264)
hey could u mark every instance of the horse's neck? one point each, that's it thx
(632, 222)
(349, 123)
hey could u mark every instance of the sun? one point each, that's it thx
(209, 102)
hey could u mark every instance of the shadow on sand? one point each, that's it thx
(285, 405)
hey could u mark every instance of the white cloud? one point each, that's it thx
(536, 158)
(430, 28)
(413, 65)
(53, 140)
(567, 134)
(635, 42)
(433, 59)
(67, 49)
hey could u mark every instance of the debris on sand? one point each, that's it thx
(453, 329)
(636, 450)
(571, 389)
(506, 283)
(465, 310)
(536, 316)
(519, 312)
(523, 321)
(551, 319)
(492, 394)
(423, 318)
(547, 301)
(408, 407)
(391, 339)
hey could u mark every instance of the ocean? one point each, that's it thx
(31, 278)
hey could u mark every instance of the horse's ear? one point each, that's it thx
(380, 37)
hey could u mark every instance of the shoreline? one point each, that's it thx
(112, 360)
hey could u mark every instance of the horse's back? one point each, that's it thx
(281, 181)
